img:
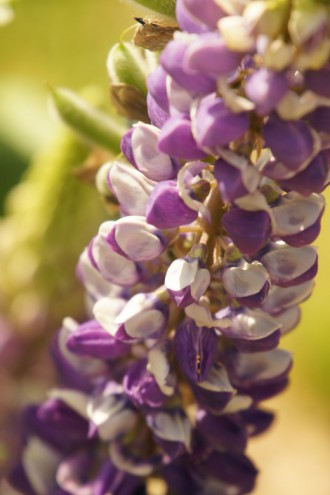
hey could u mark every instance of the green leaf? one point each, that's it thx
(165, 7)
(91, 124)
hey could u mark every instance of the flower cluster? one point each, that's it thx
(190, 290)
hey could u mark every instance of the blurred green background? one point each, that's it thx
(65, 42)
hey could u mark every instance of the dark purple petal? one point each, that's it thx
(257, 421)
(222, 432)
(156, 82)
(318, 81)
(90, 339)
(320, 119)
(215, 125)
(176, 139)
(209, 54)
(196, 349)
(58, 425)
(230, 181)
(126, 146)
(156, 114)
(266, 88)
(213, 402)
(188, 22)
(19, 480)
(266, 344)
(165, 208)
(313, 179)
(249, 230)
(291, 142)
(172, 61)
(306, 236)
(141, 387)
(207, 12)
(234, 469)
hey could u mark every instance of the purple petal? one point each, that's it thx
(196, 349)
(249, 230)
(141, 387)
(215, 125)
(90, 339)
(313, 179)
(165, 208)
(291, 142)
(176, 139)
(318, 81)
(266, 88)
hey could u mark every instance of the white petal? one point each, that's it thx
(72, 398)
(131, 188)
(263, 366)
(138, 239)
(128, 465)
(40, 463)
(296, 213)
(105, 312)
(152, 163)
(245, 280)
(173, 427)
(279, 298)
(200, 284)
(254, 324)
(238, 403)
(159, 367)
(114, 267)
(181, 274)
(287, 263)
(217, 380)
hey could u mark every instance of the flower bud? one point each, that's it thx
(144, 316)
(90, 339)
(126, 64)
(90, 123)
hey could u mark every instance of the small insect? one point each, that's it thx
(198, 363)
(153, 34)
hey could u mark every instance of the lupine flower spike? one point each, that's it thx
(190, 291)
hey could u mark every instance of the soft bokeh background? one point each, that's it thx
(65, 42)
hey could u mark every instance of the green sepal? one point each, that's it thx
(90, 123)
